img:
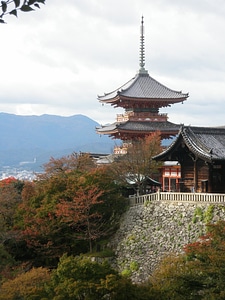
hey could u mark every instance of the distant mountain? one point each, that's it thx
(31, 140)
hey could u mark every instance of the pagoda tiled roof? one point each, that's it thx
(143, 86)
(139, 126)
(148, 126)
(206, 143)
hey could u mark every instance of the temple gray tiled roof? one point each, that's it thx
(206, 143)
(146, 87)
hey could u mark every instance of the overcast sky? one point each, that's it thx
(56, 60)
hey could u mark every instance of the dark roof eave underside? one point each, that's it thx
(119, 99)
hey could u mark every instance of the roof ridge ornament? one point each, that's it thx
(142, 49)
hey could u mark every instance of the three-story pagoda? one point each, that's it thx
(141, 97)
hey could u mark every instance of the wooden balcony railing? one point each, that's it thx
(177, 197)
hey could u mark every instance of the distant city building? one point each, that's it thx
(27, 175)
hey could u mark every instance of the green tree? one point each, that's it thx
(79, 278)
(11, 7)
(6, 263)
(10, 198)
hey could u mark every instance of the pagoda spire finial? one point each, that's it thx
(142, 49)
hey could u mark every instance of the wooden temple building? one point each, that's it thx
(141, 98)
(200, 152)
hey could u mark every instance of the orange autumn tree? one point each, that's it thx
(137, 164)
(208, 257)
(27, 285)
(199, 273)
(70, 206)
(81, 162)
(80, 213)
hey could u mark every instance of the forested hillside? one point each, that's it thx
(55, 233)
(32, 140)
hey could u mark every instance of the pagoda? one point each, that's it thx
(141, 97)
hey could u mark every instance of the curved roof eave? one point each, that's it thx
(107, 128)
(201, 151)
(115, 93)
(164, 155)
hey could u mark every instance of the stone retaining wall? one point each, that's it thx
(150, 231)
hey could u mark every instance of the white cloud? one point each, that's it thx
(58, 59)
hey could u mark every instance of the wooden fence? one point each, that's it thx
(178, 197)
